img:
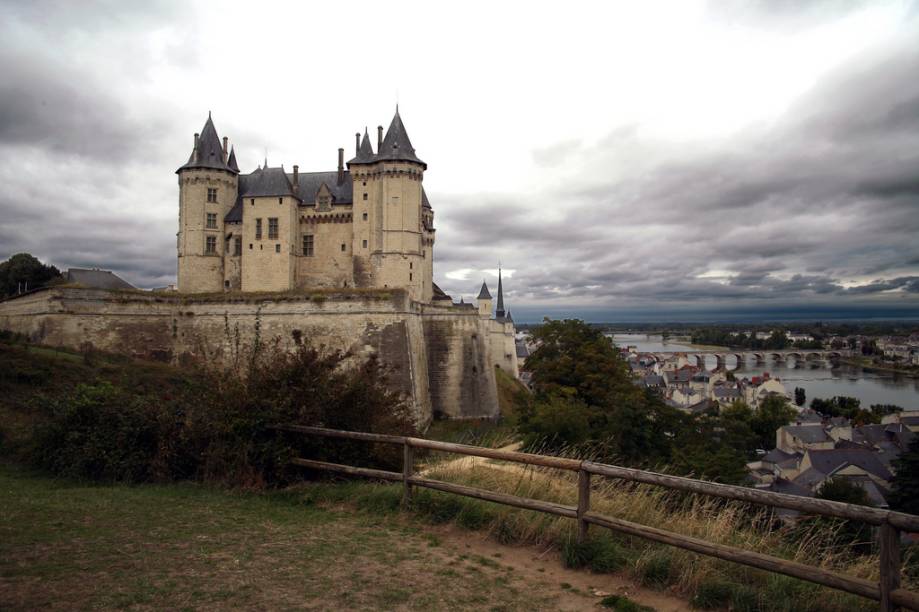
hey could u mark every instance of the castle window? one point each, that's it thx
(280, 200)
(252, 201)
(365, 196)
(364, 216)
(409, 265)
(409, 277)
(211, 220)
(238, 246)
(272, 228)
(211, 245)
(258, 229)
(211, 194)
(277, 248)
(364, 184)
(365, 244)
(250, 246)
(343, 248)
(308, 245)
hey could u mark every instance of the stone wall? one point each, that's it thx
(437, 356)
(459, 364)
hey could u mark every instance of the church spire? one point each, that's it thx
(499, 308)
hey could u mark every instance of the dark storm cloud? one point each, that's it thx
(825, 197)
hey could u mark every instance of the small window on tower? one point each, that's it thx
(258, 229)
(308, 245)
(238, 246)
(272, 228)
(211, 194)
(211, 245)
(364, 216)
(409, 265)
(409, 277)
(280, 200)
(277, 248)
(365, 244)
(365, 196)
(342, 248)
(211, 220)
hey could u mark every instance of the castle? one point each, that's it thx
(343, 258)
(367, 225)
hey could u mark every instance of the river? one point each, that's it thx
(817, 379)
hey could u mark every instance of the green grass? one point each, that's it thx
(623, 604)
(187, 546)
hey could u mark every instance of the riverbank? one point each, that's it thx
(868, 365)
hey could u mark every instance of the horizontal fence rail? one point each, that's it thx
(887, 591)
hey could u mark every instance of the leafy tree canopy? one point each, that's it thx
(23, 271)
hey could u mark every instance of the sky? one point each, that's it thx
(622, 161)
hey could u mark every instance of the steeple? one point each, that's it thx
(483, 292)
(208, 151)
(499, 308)
(396, 144)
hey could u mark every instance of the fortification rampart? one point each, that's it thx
(437, 357)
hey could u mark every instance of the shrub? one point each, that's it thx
(600, 554)
(654, 569)
(221, 429)
(712, 594)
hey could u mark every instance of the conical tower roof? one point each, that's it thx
(209, 153)
(231, 161)
(365, 153)
(396, 144)
(499, 308)
(483, 292)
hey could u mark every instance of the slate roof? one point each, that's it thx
(365, 154)
(522, 351)
(424, 199)
(396, 144)
(499, 307)
(777, 455)
(311, 181)
(231, 161)
(265, 182)
(439, 293)
(807, 434)
(726, 392)
(783, 485)
(652, 380)
(209, 153)
(483, 292)
(97, 279)
(828, 461)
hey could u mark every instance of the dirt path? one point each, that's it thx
(575, 589)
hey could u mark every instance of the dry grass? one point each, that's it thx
(684, 572)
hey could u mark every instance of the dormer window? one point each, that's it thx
(211, 194)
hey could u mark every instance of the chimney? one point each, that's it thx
(357, 144)
(195, 150)
(341, 166)
(225, 139)
(296, 178)
(379, 139)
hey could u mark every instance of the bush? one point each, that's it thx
(600, 554)
(220, 430)
(712, 594)
(654, 569)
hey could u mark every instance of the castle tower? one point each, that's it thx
(207, 191)
(393, 236)
(484, 300)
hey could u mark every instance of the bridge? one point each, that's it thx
(759, 357)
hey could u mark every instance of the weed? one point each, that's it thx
(623, 604)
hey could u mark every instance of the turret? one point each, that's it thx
(484, 301)
(391, 247)
(207, 191)
(499, 308)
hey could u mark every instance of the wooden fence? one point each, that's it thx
(887, 591)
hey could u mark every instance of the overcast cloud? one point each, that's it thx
(618, 160)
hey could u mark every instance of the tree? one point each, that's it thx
(23, 271)
(838, 406)
(800, 396)
(904, 495)
(773, 412)
(855, 534)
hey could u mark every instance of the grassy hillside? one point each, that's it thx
(186, 547)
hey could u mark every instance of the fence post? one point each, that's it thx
(408, 469)
(583, 504)
(889, 540)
